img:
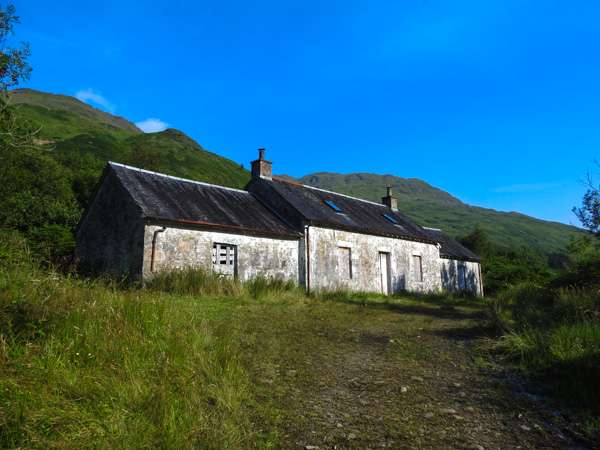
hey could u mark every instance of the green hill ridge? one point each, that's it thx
(83, 138)
(432, 207)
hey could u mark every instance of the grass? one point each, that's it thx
(188, 361)
(191, 360)
(87, 365)
(554, 336)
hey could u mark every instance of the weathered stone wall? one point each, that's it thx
(453, 281)
(326, 273)
(177, 248)
(110, 236)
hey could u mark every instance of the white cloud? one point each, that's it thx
(152, 125)
(91, 96)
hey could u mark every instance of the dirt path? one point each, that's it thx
(403, 376)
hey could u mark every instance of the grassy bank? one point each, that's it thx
(193, 361)
(86, 365)
(553, 335)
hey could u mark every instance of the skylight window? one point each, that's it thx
(333, 206)
(391, 219)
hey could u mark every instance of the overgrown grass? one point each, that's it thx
(554, 335)
(86, 364)
(199, 282)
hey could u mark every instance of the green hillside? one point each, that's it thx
(64, 116)
(83, 139)
(430, 206)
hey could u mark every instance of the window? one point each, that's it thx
(224, 258)
(391, 219)
(418, 268)
(344, 255)
(333, 206)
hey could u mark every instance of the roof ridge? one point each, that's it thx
(329, 192)
(187, 180)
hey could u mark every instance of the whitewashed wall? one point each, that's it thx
(325, 267)
(177, 248)
(451, 281)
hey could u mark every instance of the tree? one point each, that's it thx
(477, 241)
(589, 213)
(35, 190)
(14, 68)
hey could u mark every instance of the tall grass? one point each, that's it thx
(200, 282)
(554, 335)
(86, 364)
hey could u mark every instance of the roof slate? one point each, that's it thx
(357, 215)
(165, 198)
(451, 248)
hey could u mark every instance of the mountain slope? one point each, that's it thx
(65, 115)
(430, 206)
(83, 139)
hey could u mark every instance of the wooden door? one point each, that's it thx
(384, 270)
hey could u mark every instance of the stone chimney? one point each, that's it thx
(261, 168)
(389, 200)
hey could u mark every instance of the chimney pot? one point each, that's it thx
(261, 168)
(389, 200)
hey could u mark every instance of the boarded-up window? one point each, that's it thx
(417, 268)
(224, 257)
(345, 262)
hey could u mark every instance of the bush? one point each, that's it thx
(554, 335)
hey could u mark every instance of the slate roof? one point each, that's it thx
(165, 198)
(451, 248)
(357, 215)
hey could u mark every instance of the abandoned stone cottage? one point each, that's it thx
(141, 222)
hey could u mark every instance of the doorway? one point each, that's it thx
(384, 272)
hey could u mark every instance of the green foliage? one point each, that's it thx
(13, 61)
(478, 241)
(504, 268)
(583, 268)
(589, 212)
(554, 335)
(432, 207)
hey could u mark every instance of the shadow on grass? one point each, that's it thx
(468, 333)
(437, 306)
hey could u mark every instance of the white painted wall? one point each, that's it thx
(452, 282)
(326, 266)
(177, 248)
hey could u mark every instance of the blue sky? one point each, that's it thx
(497, 102)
